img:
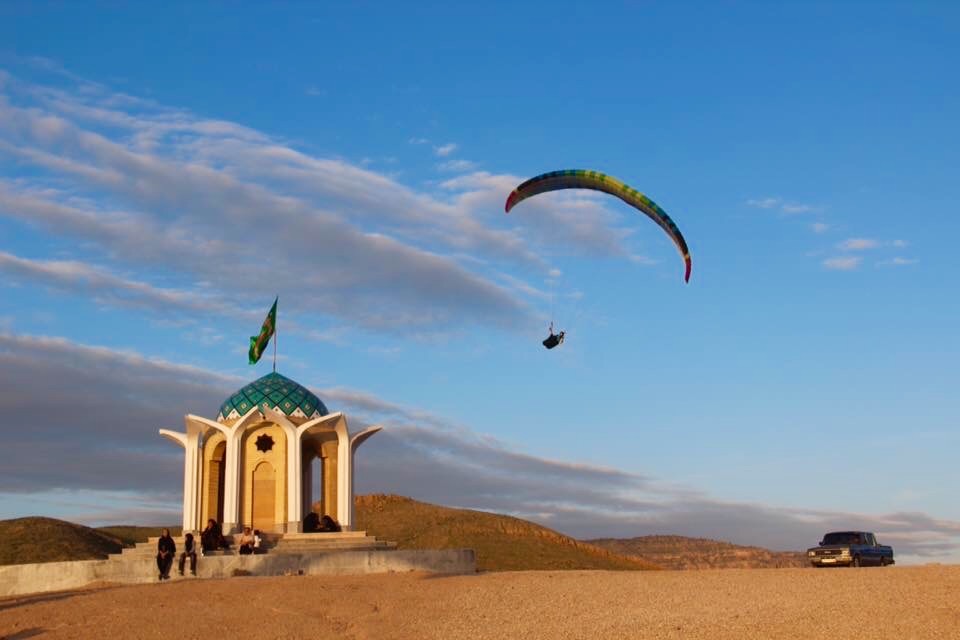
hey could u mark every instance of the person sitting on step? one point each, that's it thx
(328, 524)
(189, 551)
(166, 549)
(246, 542)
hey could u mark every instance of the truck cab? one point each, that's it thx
(850, 548)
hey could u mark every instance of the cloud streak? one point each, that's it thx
(197, 217)
(445, 150)
(842, 263)
(859, 244)
(109, 288)
(898, 261)
(781, 205)
(142, 186)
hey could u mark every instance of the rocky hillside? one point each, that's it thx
(678, 552)
(502, 543)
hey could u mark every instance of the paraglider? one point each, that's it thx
(585, 179)
(597, 181)
(554, 339)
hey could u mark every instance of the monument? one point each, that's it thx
(254, 464)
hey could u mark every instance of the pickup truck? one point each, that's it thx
(850, 548)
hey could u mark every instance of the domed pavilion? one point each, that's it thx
(272, 443)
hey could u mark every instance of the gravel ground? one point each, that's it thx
(868, 603)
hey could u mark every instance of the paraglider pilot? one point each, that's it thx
(553, 340)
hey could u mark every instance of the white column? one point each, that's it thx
(306, 487)
(294, 479)
(191, 511)
(189, 468)
(355, 441)
(344, 476)
(231, 482)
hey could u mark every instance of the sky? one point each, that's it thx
(165, 173)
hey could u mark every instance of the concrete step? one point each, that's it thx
(325, 535)
(149, 548)
(231, 537)
(309, 548)
(319, 540)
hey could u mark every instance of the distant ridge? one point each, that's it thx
(502, 543)
(679, 552)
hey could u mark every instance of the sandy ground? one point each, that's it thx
(867, 603)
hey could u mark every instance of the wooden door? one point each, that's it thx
(264, 497)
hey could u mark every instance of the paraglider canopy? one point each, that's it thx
(586, 179)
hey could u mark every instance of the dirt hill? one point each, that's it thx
(678, 552)
(502, 543)
(27, 540)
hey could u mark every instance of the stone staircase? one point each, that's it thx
(291, 554)
(278, 554)
(330, 542)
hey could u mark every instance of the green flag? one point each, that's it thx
(260, 342)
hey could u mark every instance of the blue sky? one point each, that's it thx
(163, 175)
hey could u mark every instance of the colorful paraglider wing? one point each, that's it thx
(585, 179)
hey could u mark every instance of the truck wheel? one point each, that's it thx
(883, 562)
(856, 561)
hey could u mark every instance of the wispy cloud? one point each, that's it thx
(866, 244)
(111, 288)
(143, 186)
(781, 205)
(764, 203)
(419, 454)
(859, 244)
(457, 165)
(843, 263)
(820, 227)
(314, 91)
(898, 261)
(192, 190)
(445, 150)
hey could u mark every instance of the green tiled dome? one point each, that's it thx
(273, 391)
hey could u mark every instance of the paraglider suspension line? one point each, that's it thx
(553, 302)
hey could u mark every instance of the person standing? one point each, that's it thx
(166, 549)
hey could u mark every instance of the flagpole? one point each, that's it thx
(275, 335)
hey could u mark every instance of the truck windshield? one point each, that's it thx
(842, 537)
